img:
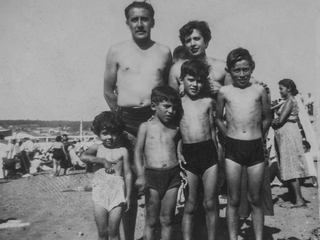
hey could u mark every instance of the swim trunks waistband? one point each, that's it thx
(163, 169)
(135, 109)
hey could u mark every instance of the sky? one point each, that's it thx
(53, 51)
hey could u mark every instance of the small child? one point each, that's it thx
(310, 163)
(155, 158)
(199, 147)
(110, 192)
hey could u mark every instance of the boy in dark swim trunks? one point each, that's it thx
(199, 147)
(248, 117)
(155, 158)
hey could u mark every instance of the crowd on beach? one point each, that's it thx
(184, 130)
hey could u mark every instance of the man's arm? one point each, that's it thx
(110, 79)
(266, 113)
(219, 114)
(127, 176)
(138, 156)
(168, 66)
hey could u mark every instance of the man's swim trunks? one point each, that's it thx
(199, 156)
(244, 152)
(162, 180)
(133, 117)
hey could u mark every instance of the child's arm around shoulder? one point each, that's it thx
(90, 156)
(220, 110)
(127, 175)
(138, 155)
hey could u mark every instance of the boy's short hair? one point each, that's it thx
(195, 68)
(136, 4)
(165, 93)
(58, 138)
(188, 28)
(306, 144)
(109, 121)
(180, 52)
(237, 55)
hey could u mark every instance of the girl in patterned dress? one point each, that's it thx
(112, 175)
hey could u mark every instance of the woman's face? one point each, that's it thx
(284, 91)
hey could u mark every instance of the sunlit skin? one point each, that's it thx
(195, 45)
(192, 85)
(140, 24)
(248, 117)
(156, 148)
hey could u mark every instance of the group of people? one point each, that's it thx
(186, 117)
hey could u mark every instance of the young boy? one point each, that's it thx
(248, 117)
(199, 147)
(155, 158)
(110, 192)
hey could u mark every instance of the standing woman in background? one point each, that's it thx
(293, 164)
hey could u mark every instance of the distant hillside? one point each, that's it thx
(70, 125)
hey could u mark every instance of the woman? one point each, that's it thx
(289, 140)
(59, 154)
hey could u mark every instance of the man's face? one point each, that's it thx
(195, 44)
(108, 138)
(140, 23)
(165, 111)
(241, 73)
(192, 85)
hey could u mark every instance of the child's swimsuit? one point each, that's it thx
(199, 156)
(107, 189)
(163, 179)
(244, 152)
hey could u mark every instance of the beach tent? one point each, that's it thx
(5, 132)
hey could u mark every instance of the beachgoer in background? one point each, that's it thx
(59, 155)
(3, 155)
(199, 148)
(311, 167)
(26, 149)
(248, 118)
(112, 175)
(133, 69)
(156, 162)
(180, 53)
(66, 163)
(293, 164)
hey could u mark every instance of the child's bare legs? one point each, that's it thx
(152, 200)
(233, 176)
(255, 182)
(168, 206)
(107, 222)
(190, 206)
(210, 201)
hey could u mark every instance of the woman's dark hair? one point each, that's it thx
(306, 144)
(188, 28)
(288, 83)
(58, 139)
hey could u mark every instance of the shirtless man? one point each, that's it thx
(248, 118)
(135, 67)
